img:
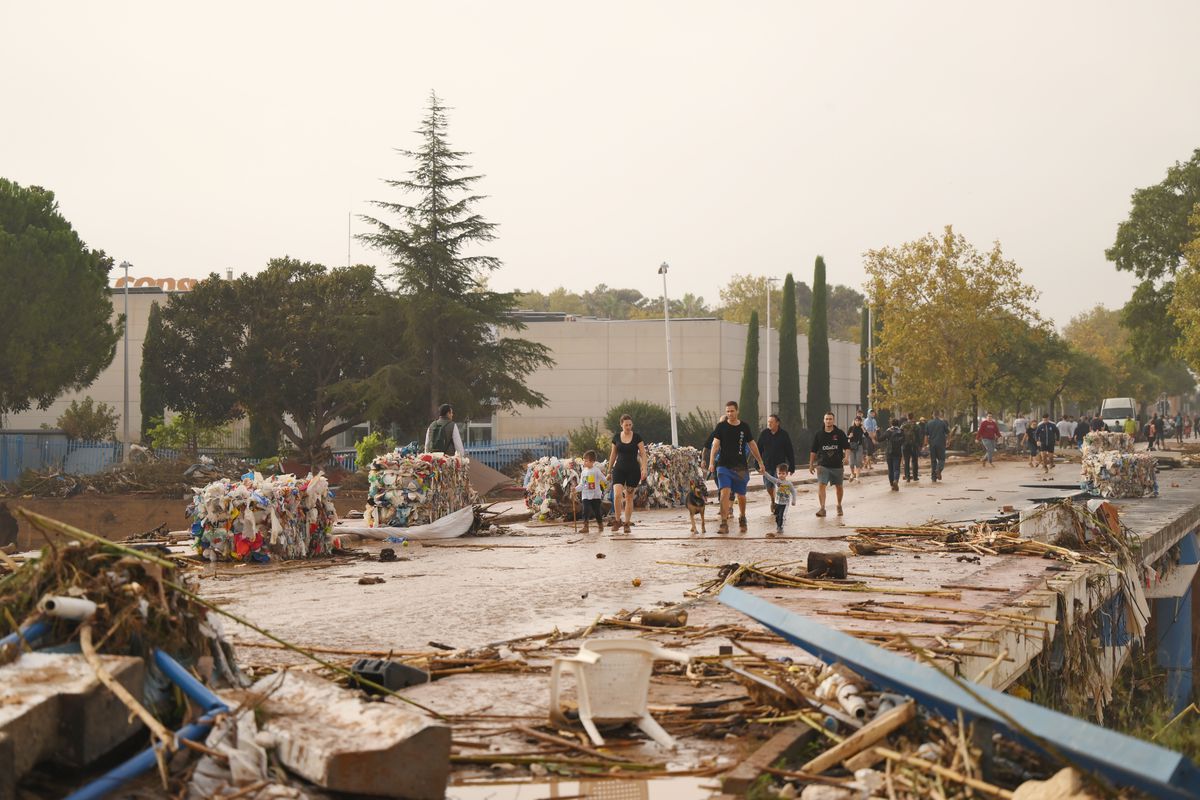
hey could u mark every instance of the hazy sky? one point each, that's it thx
(721, 137)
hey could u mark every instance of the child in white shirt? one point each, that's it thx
(785, 494)
(591, 488)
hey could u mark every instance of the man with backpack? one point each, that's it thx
(891, 441)
(442, 435)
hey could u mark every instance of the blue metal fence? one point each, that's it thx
(496, 455)
(37, 451)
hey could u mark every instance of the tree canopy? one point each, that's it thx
(452, 321)
(1150, 243)
(58, 328)
(790, 416)
(818, 394)
(748, 397)
(1185, 305)
(944, 308)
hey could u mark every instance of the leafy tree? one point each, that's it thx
(1185, 305)
(150, 376)
(1150, 244)
(944, 307)
(818, 350)
(695, 426)
(58, 328)
(651, 420)
(308, 358)
(453, 320)
(843, 306)
(370, 446)
(201, 332)
(89, 420)
(263, 436)
(789, 361)
(1098, 333)
(185, 432)
(746, 294)
(748, 401)
(589, 436)
(610, 303)
(864, 356)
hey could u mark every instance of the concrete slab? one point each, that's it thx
(53, 708)
(337, 740)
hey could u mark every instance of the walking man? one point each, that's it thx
(729, 441)
(937, 432)
(776, 448)
(1046, 436)
(988, 433)
(912, 447)
(891, 441)
(442, 434)
(871, 426)
(1020, 428)
(1081, 430)
(826, 459)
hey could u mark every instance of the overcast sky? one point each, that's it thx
(720, 137)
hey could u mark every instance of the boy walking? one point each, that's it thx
(1046, 435)
(591, 490)
(785, 494)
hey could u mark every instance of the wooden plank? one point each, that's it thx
(788, 741)
(868, 735)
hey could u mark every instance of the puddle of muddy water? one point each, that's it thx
(604, 789)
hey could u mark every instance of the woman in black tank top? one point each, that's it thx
(627, 465)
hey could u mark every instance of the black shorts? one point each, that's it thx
(628, 476)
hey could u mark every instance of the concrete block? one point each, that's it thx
(53, 708)
(335, 739)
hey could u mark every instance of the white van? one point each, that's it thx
(1115, 410)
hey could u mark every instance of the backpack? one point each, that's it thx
(895, 442)
(441, 436)
(912, 433)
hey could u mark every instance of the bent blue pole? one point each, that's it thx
(145, 761)
(32, 631)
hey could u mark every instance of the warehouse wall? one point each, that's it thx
(599, 363)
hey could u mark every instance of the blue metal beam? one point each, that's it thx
(1125, 761)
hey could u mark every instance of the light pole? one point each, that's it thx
(870, 356)
(125, 265)
(770, 285)
(662, 270)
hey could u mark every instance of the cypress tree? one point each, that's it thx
(749, 397)
(818, 349)
(864, 355)
(789, 363)
(153, 398)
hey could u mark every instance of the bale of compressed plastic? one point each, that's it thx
(415, 489)
(257, 518)
(550, 484)
(1098, 441)
(669, 475)
(1114, 474)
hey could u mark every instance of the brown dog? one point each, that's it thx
(697, 498)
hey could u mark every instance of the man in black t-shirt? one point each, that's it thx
(826, 458)
(730, 439)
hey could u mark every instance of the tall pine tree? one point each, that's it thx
(749, 396)
(789, 361)
(150, 377)
(457, 354)
(818, 349)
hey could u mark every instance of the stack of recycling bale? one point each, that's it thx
(255, 518)
(416, 489)
(550, 484)
(670, 473)
(1098, 441)
(1114, 474)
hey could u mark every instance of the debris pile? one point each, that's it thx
(1097, 441)
(408, 489)
(149, 478)
(669, 475)
(255, 518)
(550, 486)
(1112, 473)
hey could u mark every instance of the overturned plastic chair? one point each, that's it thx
(612, 679)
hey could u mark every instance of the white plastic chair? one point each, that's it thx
(612, 679)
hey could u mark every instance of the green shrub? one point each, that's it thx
(589, 436)
(695, 426)
(371, 445)
(650, 420)
(89, 420)
(183, 432)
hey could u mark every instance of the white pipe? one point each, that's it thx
(74, 608)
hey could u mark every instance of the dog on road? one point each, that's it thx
(697, 498)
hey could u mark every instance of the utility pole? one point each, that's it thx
(125, 265)
(770, 285)
(662, 270)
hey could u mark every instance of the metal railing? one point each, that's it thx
(22, 451)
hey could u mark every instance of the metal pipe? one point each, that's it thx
(147, 759)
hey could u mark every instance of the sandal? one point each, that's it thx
(820, 512)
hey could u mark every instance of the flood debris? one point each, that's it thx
(408, 489)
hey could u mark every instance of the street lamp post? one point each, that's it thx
(125, 265)
(770, 285)
(662, 270)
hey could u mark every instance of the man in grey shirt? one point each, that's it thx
(936, 434)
